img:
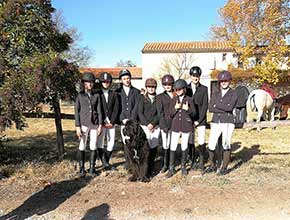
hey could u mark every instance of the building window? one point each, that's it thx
(224, 57)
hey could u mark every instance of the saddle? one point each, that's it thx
(269, 90)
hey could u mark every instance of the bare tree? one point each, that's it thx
(125, 63)
(178, 65)
(78, 54)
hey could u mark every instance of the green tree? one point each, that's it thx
(56, 79)
(33, 69)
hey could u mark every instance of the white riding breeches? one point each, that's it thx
(152, 137)
(226, 129)
(166, 138)
(109, 133)
(200, 135)
(93, 138)
(175, 138)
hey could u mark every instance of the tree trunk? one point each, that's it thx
(266, 124)
(59, 134)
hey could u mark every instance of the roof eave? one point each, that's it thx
(189, 51)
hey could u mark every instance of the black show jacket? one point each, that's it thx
(88, 110)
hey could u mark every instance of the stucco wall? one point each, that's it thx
(152, 62)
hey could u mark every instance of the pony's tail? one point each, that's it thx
(252, 103)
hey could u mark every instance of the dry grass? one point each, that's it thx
(32, 152)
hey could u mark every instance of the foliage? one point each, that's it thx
(254, 77)
(30, 45)
(34, 66)
(26, 27)
(260, 29)
(237, 73)
(55, 77)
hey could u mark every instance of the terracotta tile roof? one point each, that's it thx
(114, 71)
(187, 47)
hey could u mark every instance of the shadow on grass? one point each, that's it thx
(245, 155)
(15, 152)
(100, 212)
(239, 158)
(34, 149)
(48, 199)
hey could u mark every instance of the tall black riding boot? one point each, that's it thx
(201, 152)
(100, 153)
(212, 166)
(226, 161)
(184, 171)
(165, 161)
(92, 162)
(82, 162)
(189, 153)
(171, 170)
(104, 160)
(151, 162)
(192, 153)
(107, 157)
(102, 157)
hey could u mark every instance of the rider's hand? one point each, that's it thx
(78, 132)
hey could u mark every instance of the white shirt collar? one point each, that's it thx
(224, 91)
(170, 94)
(105, 90)
(151, 97)
(181, 98)
(126, 89)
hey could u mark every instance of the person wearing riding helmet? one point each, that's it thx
(199, 94)
(149, 120)
(88, 120)
(222, 104)
(163, 107)
(129, 99)
(182, 112)
(110, 109)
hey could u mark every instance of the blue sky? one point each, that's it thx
(115, 29)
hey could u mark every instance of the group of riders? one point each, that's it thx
(175, 115)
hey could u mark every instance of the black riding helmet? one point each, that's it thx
(224, 76)
(89, 77)
(180, 84)
(124, 72)
(167, 79)
(195, 71)
(105, 77)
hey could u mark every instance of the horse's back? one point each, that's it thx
(260, 98)
(284, 100)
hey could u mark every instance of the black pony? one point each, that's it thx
(136, 151)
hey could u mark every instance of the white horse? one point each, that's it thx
(260, 101)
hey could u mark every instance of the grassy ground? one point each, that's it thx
(37, 186)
